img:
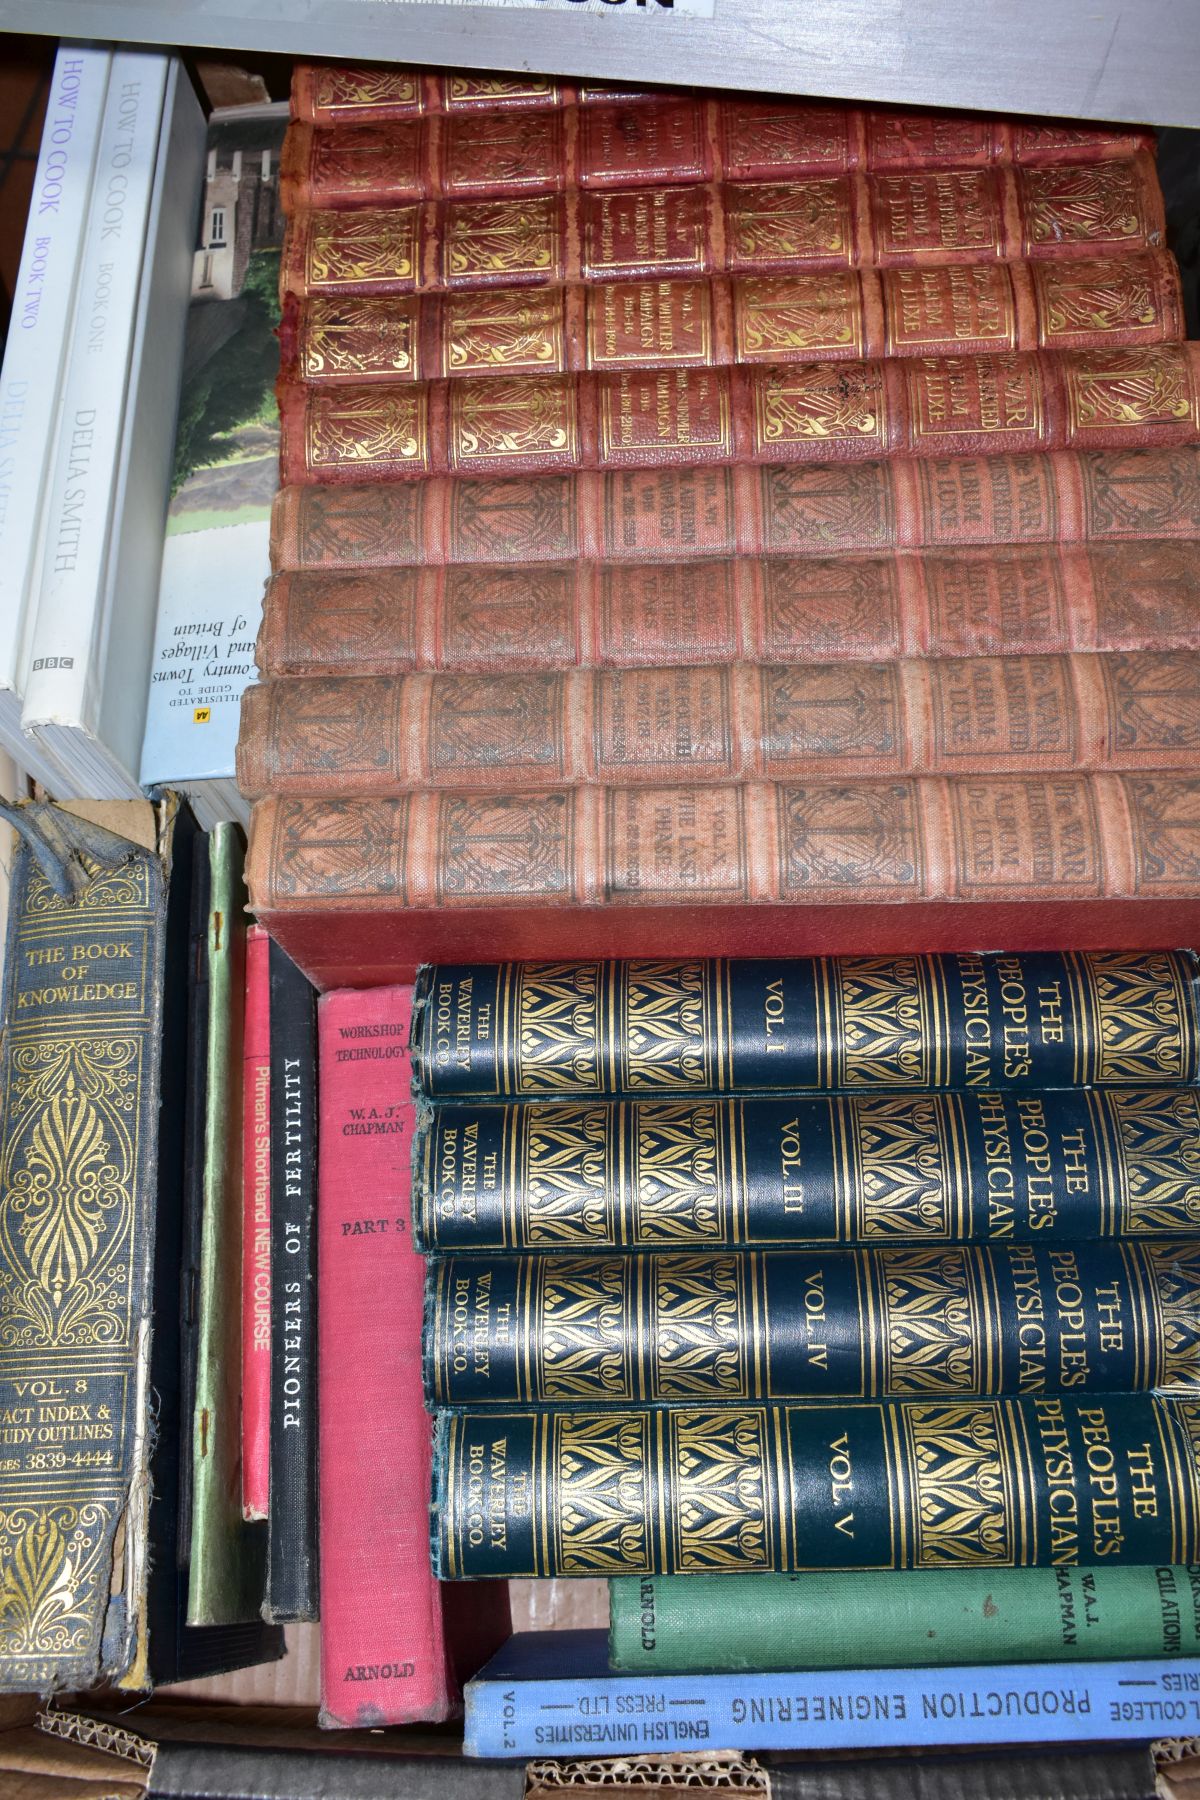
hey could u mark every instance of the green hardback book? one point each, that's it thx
(903, 1618)
(227, 1554)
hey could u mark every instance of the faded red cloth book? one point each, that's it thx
(1096, 399)
(396, 1644)
(256, 1231)
(911, 220)
(796, 509)
(362, 890)
(344, 736)
(954, 310)
(494, 617)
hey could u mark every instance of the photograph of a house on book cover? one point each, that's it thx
(216, 557)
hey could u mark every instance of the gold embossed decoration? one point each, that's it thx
(778, 317)
(1157, 1142)
(719, 1465)
(1108, 295)
(349, 338)
(964, 1486)
(50, 1560)
(362, 87)
(558, 1027)
(514, 419)
(368, 429)
(502, 240)
(789, 223)
(828, 403)
(1109, 389)
(1173, 1266)
(1094, 203)
(351, 251)
(502, 331)
(884, 1017)
(900, 1172)
(66, 1195)
(701, 1327)
(568, 1157)
(669, 1028)
(581, 1348)
(602, 1517)
(935, 1313)
(680, 1188)
(1142, 1013)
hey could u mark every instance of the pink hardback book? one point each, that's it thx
(256, 1230)
(395, 1643)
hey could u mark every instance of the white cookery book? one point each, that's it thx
(62, 697)
(35, 355)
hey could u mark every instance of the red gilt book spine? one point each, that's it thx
(390, 734)
(1035, 599)
(679, 139)
(374, 93)
(391, 1654)
(952, 310)
(360, 888)
(497, 155)
(803, 412)
(756, 137)
(256, 1231)
(675, 514)
(810, 226)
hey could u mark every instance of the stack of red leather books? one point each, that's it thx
(721, 524)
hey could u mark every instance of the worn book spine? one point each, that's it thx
(61, 688)
(328, 94)
(926, 1170)
(492, 618)
(672, 1028)
(1110, 860)
(904, 221)
(227, 1562)
(904, 1618)
(919, 1484)
(293, 1561)
(352, 735)
(792, 413)
(757, 137)
(34, 365)
(256, 1229)
(391, 1650)
(175, 1651)
(1105, 301)
(705, 1326)
(79, 1075)
(495, 154)
(778, 509)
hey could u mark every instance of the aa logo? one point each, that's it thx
(201, 715)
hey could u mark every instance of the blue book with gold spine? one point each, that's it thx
(807, 1172)
(939, 1482)
(786, 1324)
(1043, 1019)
